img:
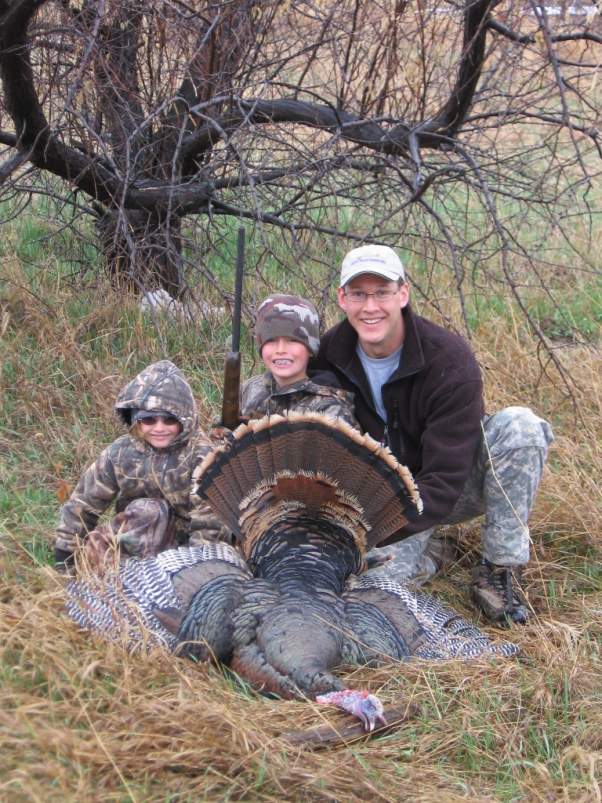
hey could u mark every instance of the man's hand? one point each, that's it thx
(376, 557)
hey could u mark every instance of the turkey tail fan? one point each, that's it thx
(307, 462)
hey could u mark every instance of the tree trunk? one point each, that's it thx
(143, 250)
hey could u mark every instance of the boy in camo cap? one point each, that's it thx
(287, 330)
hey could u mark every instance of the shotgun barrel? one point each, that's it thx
(231, 398)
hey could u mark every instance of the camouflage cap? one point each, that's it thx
(379, 260)
(288, 316)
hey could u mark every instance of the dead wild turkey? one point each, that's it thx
(306, 498)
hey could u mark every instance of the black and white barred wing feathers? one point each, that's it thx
(445, 634)
(135, 602)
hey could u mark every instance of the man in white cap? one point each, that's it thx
(418, 389)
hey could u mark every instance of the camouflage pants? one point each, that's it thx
(143, 529)
(501, 487)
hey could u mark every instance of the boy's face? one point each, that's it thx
(285, 359)
(159, 431)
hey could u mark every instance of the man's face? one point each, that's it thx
(377, 321)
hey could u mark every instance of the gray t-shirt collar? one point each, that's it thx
(378, 370)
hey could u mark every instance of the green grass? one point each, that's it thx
(578, 315)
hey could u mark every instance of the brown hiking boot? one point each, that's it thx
(496, 591)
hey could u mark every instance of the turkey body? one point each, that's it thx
(289, 605)
(293, 621)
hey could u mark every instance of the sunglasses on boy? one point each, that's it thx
(154, 418)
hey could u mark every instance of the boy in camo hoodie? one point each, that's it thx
(150, 466)
(287, 333)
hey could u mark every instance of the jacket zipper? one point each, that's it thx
(395, 435)
(395, 422)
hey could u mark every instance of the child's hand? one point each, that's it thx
(217, 433)
(207, 526)
(64, 561)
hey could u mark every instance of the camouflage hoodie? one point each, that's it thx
(131, 469)
(261, 396)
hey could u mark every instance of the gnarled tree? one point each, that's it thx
(438, 126)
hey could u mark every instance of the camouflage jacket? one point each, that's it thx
(131, 469)
(260, 395)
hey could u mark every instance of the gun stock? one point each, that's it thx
(231, 402)
(231, 398)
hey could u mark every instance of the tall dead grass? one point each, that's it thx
(81, 720)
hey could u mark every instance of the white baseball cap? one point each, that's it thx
(377, 259)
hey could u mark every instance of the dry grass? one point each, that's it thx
(83, 721)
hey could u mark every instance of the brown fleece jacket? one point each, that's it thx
(434, 404)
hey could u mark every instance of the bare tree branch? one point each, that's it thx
(466, 133)
(12, 164)
(529, 39)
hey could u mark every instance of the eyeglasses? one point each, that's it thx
(380, 296)
(151, 420)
